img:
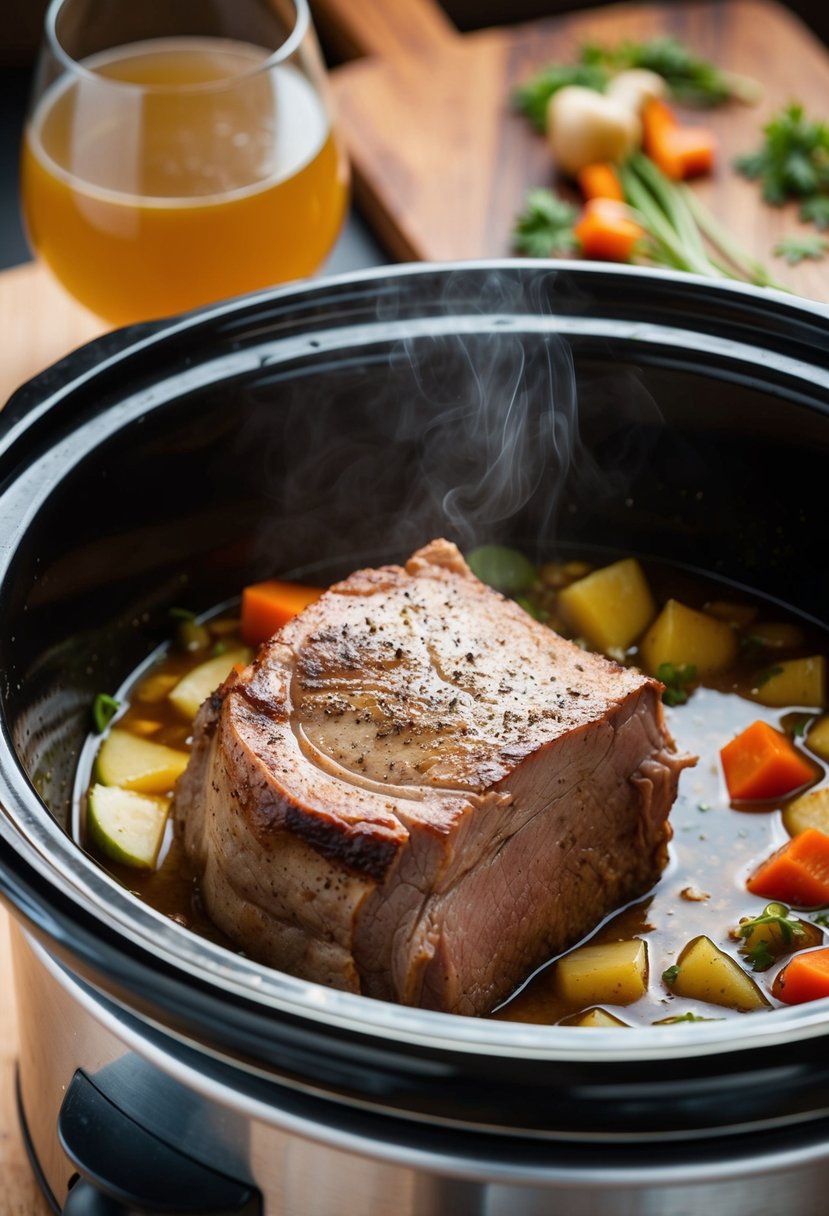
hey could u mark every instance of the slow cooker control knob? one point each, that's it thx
(124, 1169)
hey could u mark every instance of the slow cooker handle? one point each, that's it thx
(124, 1169)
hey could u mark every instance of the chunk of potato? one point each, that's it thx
(817, 737)
(794, 682)
(703, 972)
(598, 1018)
(609, 607)
(198, 684)
(683, 636)
(809, 810)
(774, 934)
(613, 973)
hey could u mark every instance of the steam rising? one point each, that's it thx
(469, 426)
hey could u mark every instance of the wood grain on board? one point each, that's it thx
(442, 161)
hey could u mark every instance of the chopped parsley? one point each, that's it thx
(777, 923)
(684, 1017)
(793, 163)
(545, 226)
(677, 681)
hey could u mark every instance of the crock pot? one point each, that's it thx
(303, 431)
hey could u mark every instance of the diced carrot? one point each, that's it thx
(762, 762)
(797, 874)
(600, 181)
(693, 150)
(606, 230)
(680, 152)
(805, 978)
(267, 606)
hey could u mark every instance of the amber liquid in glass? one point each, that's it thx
(148, 201)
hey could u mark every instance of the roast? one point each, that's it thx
(419, 793)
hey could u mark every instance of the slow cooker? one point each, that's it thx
(304, 431)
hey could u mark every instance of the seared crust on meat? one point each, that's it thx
(419, 793)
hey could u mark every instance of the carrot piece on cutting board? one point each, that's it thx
(600, 181)
(797, 874)
(805, 978)
(267, 606)
(762, 762)
(680, 152)
(606, 231)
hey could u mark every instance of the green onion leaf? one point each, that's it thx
(104, 709)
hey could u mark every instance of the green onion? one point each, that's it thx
(104, 709)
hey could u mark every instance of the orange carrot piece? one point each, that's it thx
(606, 231)
(797, 874)
(267, 606)
(680, 152)
(695, 148)
(600, 181)
(805, 978)
(657, 119)
(762, 762)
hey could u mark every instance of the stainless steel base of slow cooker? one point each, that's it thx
(339, 1164)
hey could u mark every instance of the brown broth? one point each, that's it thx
(715, 845)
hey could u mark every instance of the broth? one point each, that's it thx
(716, 843)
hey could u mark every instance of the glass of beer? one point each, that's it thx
(179, 152)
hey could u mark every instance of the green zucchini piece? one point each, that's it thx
(126, 826)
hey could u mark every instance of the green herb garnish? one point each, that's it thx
(798, 727)
(670, 975)
(182, 614)
(774, 917)
(759, 956)
(684, 1017)
(535, 610)
(104, 709)
(796, 249)
(815, 210)
(677, 681)
(793, 163)
(690, 78)
(545, 226)
(533, 98)
(503, 568)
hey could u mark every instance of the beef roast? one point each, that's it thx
(419, 793)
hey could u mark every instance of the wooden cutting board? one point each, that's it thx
(441, 160)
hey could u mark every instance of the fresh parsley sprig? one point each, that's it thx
(545, 226)
(677, 681)
(775, 917)
(793, 163)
